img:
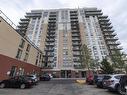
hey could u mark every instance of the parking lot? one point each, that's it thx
(58, 87)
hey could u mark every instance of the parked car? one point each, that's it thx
(16, 82)
(111, 82)
(33, 78)
(122, 85)
(99, 80)
(50, 76)
(90, 79)
(95, 78)
(45, 77)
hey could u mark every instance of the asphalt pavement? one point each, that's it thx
(58, 87)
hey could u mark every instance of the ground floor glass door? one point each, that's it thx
(65, 73)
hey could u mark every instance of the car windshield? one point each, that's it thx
(29, 76)
(118, 77)
(100, 76)
(107, 77)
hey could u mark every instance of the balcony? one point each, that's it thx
(89, 13)
(116, 48)
(52, 16)
(52, 21)
(113, 43)
(26, 19)
(76, 49)
(92, 10)
(120, 48)
(49, 55)
(110, 34)
(74, 24)
(106, 27)
(75, 32)
(76, 44)
(74, 20)
(51, 25)
(50, 36)
(75, 27)
(49, 44)
(51, 32)
(79, 66)
(105, 23)
(22, 29)
(73, 17)
(73, 14)
(76, 54)
(50, 40)
(100, 17)
(24, 22)
(75, 35)
(76, 39)
(51, 28)
(22, 26)
(76, 60)
(104, 20)
(53, 13)
(33, 15)
(49, 49)
(108, 30)
(111, 39)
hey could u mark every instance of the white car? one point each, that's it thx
(112, 83)
(34, 78)
(50, 76)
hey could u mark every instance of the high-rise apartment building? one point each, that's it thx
(60, 33)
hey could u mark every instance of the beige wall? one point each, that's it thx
(10, 40)
(82, 33)
(60, 48)
(43, 37)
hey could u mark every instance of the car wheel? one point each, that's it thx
(22, 86)
(2, 85)
(120, 91)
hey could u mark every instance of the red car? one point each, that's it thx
(90, 79)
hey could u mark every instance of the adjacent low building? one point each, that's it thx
(18, 55)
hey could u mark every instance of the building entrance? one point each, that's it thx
(65, 73)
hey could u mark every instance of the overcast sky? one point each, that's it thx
(115, 9)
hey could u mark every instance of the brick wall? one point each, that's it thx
(6, 64)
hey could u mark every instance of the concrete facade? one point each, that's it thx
(60, 35)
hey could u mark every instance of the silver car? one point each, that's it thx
(112, 82)
(34, 78)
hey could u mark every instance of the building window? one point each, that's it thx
(19, 54)
(26, 57)
(21, 71)
(28, 48)
(36, 62)
(22, 43)
(13, 71)
(45, 14)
